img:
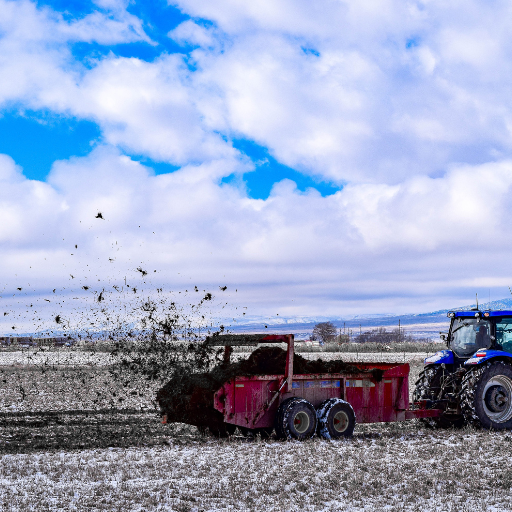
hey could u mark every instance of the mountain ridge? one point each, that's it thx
(368, 321)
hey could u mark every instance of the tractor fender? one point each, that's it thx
(482, 356)
(443, 356)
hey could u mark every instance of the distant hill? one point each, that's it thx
(425, 324)
(366, 322)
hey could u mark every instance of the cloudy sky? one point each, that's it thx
(317, 158)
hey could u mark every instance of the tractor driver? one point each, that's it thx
(483, 339)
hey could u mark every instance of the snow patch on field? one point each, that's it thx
(409, 469)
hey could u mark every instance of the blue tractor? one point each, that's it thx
(472, 380)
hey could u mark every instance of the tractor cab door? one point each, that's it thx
(504, 334)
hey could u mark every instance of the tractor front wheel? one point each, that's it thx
(486, 397)
(295, 419)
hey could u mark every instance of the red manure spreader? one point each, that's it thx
(279, 390)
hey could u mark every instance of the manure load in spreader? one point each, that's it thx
(276, 389)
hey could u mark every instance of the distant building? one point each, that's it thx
(30, 341)
(309, 343)
(24, 341)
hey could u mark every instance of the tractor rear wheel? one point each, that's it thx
(429, 387)
(295, 419)
(336, 419)
(486, 397)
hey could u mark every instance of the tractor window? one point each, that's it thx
(468, 335)
(504, 333)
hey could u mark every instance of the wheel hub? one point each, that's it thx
(340, 421)
(497, 398)
(301, 422)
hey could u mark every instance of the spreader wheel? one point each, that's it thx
(486, 397)
(336, 419)
(295, 419)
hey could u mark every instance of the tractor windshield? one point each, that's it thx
(467, 335)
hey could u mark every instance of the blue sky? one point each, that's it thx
(36, 140)
(319, 159)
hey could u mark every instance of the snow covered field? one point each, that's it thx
(72, 358)
(63, 357)
(399, 467)
(76, 459)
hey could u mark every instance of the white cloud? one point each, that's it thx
(366, 247)
(36, 64)
(368, 107)
(148, 109)
(190, 32)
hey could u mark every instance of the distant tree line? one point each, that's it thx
(381, 335)
(326, 332)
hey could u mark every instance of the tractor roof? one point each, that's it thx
(475, 312)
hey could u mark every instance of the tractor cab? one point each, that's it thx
(468, 334)
(480, 330)
(473, 332)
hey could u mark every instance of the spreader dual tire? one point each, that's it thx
(428, 387)
(486, 396)
(336, 419)
(295, 419)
